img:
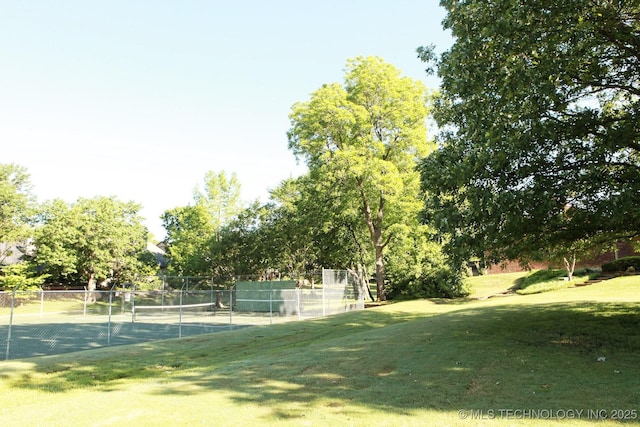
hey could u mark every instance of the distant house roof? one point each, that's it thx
(158, 253)
(12, 253)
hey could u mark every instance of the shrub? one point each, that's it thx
(440, 282)
(622, 264)
(20, 276)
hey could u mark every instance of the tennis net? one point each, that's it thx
(183, 313)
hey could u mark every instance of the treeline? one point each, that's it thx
(95, 242)
(356, 209)
(537, 158)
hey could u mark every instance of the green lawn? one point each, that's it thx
(567, 353)
(493, 284)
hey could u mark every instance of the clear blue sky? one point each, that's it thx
(139, 99)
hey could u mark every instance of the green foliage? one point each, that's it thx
(194, 232)
(438, 281)
(240, 249)
(20, 276)
(622, 265)
(305, 226)
(290, 228)
(221, 196)
(417, 267)
(312, 224)
(189, 233)
(363, 138)
(16, 204)
(92, 240)
(538, 110)
(54, 241)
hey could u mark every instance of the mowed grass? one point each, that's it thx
(412, 363)
(493, 284)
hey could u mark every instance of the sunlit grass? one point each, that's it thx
(524, 283)
(413, 363)
(492, 284)
(551, 280)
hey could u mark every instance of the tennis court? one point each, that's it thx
(30, 339)
(40, 323)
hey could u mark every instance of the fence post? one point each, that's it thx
(41, 302)
(271, 304)
(86, 296)
(13, 304)
(231, 306)
(162, 291)
(109, 321)
(324, 296)
(133, 305)
(346, 298)
(180, 315)
(133, 302)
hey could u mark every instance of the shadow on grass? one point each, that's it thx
(512, 356)
(550, 275)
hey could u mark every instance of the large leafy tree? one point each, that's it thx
(311, 224)
(93, 240)
(304, 226)
(189, 231)
(193, 231)
(241, 251)
(288, 229)
(539, 110)
(221, 195)
(364, 137)
(15, 206)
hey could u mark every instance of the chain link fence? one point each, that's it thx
(46, 322)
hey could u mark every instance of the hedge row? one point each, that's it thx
(622, 264)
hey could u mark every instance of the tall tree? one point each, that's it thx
(287, 228)
(94, 240)
(364, 137)
(240, 249)
(189, 232)
(539, 111)
(309, 225)
(194, 230)
(221, 196)
(15, 206)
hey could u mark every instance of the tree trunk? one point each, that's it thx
(219, 303)
(375, 228)
(362, 278)
(380, 274)
(374, 224)
(361, 273)
(91, 288)
(571, 266)
(367, 288)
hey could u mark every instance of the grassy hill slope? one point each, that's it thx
(516, 358)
